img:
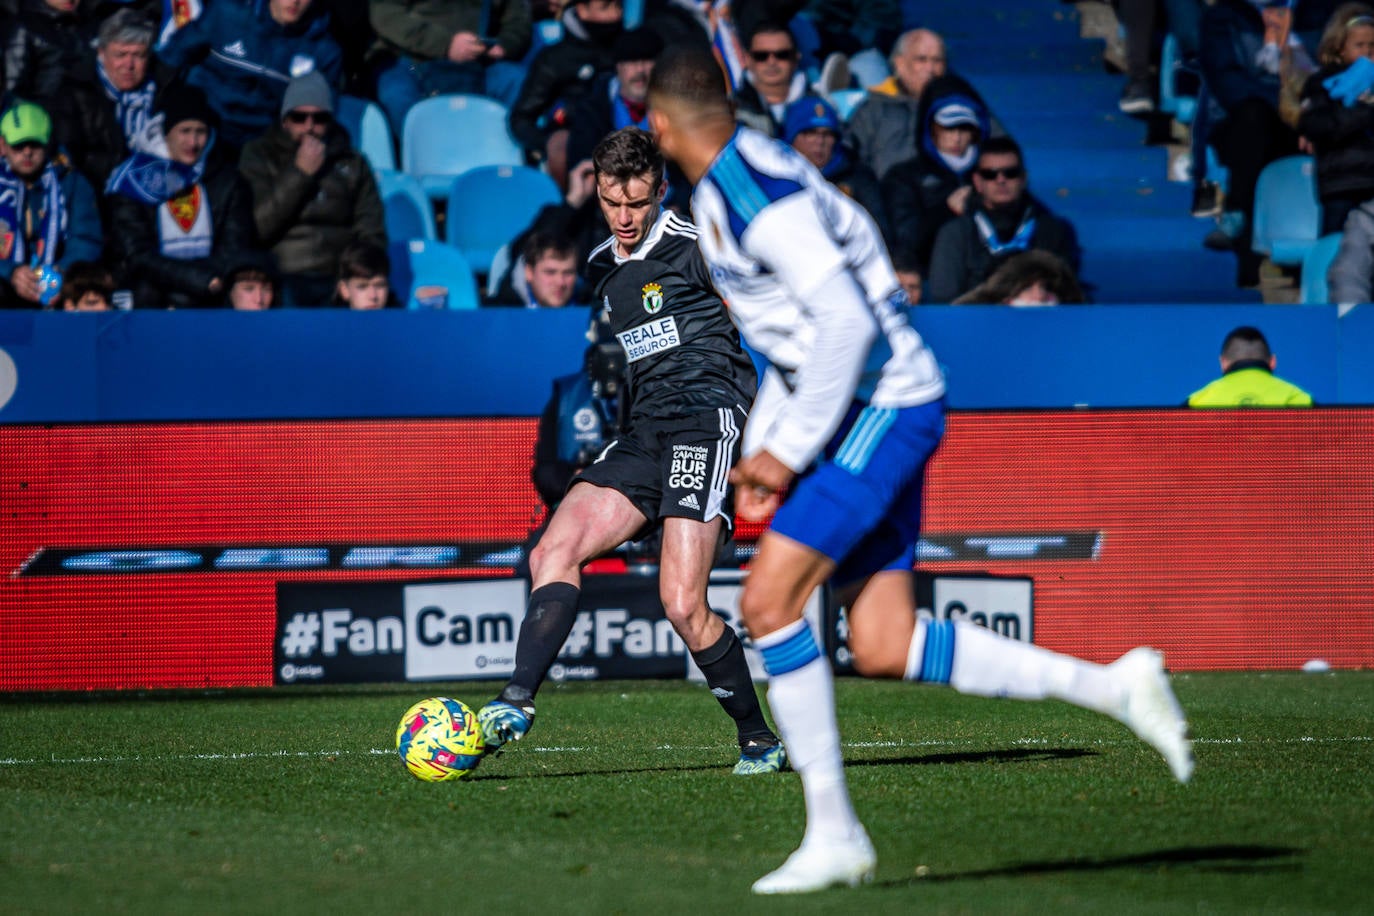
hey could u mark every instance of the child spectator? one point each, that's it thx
(86, 287)
(251, 289)
(364, 284)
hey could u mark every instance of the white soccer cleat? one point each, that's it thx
(817, 865)
(1150, 709)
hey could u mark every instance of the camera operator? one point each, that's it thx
(582, 415)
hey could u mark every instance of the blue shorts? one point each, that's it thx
(861, 506)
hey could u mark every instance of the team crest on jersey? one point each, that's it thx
(185, 207)
(652, 297)
(6, 240)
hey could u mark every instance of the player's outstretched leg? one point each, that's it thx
(835, 849)
(1133, 690)
(548, 620)
(727, 674)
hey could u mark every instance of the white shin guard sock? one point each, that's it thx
(803, 704)
(985, 664)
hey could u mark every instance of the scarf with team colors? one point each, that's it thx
(52, 217)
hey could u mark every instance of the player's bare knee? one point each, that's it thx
(549, 556)
(871, 659)
(763, 609)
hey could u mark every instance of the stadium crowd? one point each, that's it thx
(194, 154)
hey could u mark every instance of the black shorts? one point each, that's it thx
(678, 467)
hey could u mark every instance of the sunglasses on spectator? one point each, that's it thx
(1011, 173)
(302, 117)
(780, 54)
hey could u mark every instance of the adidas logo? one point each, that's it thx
(236, 49)
(689, 501)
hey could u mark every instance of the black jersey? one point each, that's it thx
(682, 351)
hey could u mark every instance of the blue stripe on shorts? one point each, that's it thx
(797, 651)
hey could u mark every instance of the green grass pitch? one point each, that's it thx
(621, 801)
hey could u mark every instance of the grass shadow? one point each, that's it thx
(1245, 859)
(1005, 755)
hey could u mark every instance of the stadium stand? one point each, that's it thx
(1314, 267)
(409, 213)
(428, 147)
(1086, 160)
(366, 124)
(1288, 218)
(431, 275)
(489, 206)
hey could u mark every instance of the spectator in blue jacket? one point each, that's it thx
(242, 54)
(48, 215)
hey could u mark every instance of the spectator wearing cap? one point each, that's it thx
(438, 47)
(1001, 219)
(243, 54)
(812, 127)
(48, 215)
(313, 194)
(772, 78)
(884, 129)
(933, 187)
(616, 99)
(182, 217)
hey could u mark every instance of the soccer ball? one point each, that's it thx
(438, 739)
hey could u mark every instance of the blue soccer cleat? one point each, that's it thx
(756, 757)
(502, 722)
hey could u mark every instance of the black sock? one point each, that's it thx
(727, 674)
(548, 621)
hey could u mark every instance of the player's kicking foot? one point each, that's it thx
(502, 722)
(819, 864)
(757, 757)
(1151, 711)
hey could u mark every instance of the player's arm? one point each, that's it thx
(790, 240)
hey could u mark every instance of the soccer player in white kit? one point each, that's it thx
(848, 413)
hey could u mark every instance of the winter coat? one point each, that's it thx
(752, 111)
(1343, 137)
(158, 281)
(960, 260)
(916, 191)
(422, 29)
(242, 59)
(82, 241)
(559, 75)
(1350, 278)
(307, 220)
(41, 46)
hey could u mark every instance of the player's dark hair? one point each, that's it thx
(1245, 343)
(362, 261)
(542, 244)
(626, 154)
(690, 74)
(84, 277)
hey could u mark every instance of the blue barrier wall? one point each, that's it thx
(327, 363)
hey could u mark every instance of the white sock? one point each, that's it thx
(975, 660)
(801, 694)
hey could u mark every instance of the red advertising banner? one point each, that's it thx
(148, 555)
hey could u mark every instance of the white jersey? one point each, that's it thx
(808, 281)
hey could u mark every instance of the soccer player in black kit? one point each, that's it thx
(688, 387)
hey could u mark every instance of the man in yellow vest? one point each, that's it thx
(1248, 378)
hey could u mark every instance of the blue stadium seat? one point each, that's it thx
(431, 275)
(409, 213)
(1314, 266)
(489, 206)
(1288, 217)
(367, 126)
(446, 135)
(846, 100)
(546, 32)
